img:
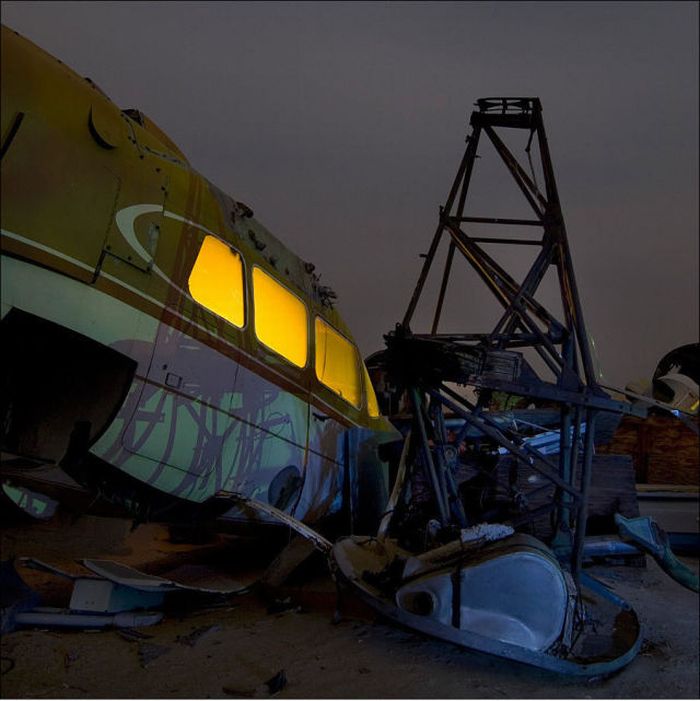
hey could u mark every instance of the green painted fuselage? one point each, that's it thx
(102, 220)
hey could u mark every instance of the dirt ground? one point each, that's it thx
(232, 650)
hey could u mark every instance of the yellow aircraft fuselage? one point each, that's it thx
(151, 323)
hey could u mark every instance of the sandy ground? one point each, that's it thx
(231, 651)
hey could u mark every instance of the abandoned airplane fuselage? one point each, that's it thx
(162, 347)
(152, 325)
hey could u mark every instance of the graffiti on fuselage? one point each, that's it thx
(104, 243)
(207, 422)
(196, 444)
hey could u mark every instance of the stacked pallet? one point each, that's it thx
(664, 450)
(612, 491)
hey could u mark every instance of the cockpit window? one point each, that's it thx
(216, 281)
(281, 318)
(337, 363)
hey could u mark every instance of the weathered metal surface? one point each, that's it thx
(422, 365)
(451, 472)
(372, 569)
(102, 222)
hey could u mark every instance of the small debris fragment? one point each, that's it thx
(655, 648)
(271, 687)
(8, 664)
(132, 635)
(196, 635)
(75, 688)
(281, 605)
(148, 652)
(592, 681)
(485, 532)
(277, 683)
(69, 658)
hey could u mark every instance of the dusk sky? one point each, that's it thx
(342, 125)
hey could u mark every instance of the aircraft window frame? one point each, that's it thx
(358, 360)
(244, 282)
(293, 294)
(369, 387)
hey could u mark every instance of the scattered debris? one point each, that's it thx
(485, 532)
(132, 635)
(645, 533)
(282, 605)
(114, 595)
(95, 594)
(148, 652)
(297, 551)
(270, 688)
(653, 648)
(129, 577)
(36, 505)
(209, 580)
(8, 664)
(191, 639)
(15, 596)
(67, 618)
(277, 683)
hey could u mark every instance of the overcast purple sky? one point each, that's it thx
(342, 125)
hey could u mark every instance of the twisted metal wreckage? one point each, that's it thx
(212, 378)
(470, 570)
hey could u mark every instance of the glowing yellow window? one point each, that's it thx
(216, 281)
(280, 318)
(372, 405)
(336, 363)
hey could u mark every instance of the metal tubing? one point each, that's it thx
(472, 253)
(523, 181)
(586, 469)
(517, 242)
(600, 588)
(463, 173)
(430, 467)
(580, 326)
(527, 289)
(438, 462)
(396, 491)
(455, 503)
(568, 280)
(443, 286)
(565, 468)
(482, 262)
(501, 220)
(524, 452)
(602, 546)
(576, 425)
